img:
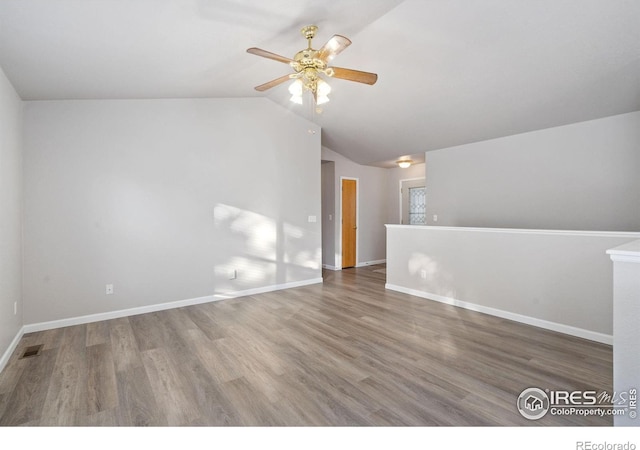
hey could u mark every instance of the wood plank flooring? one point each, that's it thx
(344, 353)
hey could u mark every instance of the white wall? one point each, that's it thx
(560, 280)
(575, 177)
(163, 198)
(372, 208)
(10, 214)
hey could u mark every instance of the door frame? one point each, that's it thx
(357, 180)
(400, 195)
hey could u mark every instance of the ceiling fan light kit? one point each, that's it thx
(310, 65)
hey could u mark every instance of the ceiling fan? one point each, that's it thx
(309, 64)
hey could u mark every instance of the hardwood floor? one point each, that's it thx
(343, 353)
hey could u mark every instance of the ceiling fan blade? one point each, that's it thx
(273, 83)
(334, 46)
(266, 54)
(354, 75)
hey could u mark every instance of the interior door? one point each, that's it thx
(349, 222)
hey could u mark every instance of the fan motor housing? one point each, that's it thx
(308, 59)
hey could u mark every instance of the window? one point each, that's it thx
(413, 202)
(417, 203)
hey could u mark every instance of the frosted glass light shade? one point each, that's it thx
(323, 89)
(295, 88)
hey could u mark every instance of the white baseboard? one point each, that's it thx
(12, 347)
(360, 264)
(553, 326)
(41, 326)
(371, 263)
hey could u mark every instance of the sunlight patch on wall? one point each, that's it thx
(268, 249)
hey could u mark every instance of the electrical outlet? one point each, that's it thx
(312, 219)
(435, 217)
(423, 274)
(109, 289)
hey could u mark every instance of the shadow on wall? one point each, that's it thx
(268, 252)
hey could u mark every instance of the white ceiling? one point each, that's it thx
(450, 71)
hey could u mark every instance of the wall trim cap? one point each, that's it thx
(629, 234)
(629, 252)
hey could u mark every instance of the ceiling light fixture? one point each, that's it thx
(322, 91)
(311, 65)
(404, 163)
(311, 82)
(295, 89)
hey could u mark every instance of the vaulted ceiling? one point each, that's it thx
(450, 71)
